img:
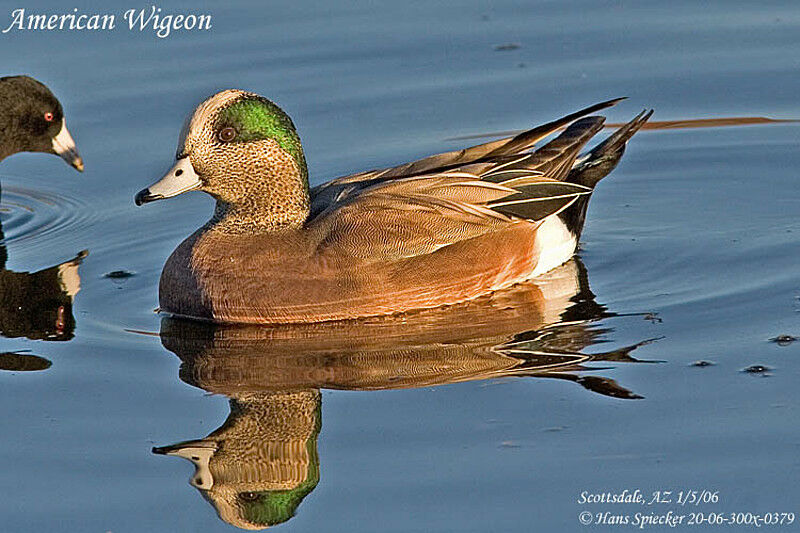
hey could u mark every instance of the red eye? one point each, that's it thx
(48, 116)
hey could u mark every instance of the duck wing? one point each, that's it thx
(485, 161)
(409, 217)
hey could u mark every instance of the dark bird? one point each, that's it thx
(32, 120)
(35, 305)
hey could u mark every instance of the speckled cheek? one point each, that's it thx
(240, 168)
(205, 160)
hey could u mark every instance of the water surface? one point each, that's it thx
(693, 240)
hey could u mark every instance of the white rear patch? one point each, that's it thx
(555, 243)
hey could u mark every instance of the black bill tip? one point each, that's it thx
(144, 196)
(77, 164)
(73, 159)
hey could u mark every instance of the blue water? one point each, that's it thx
(698, 226)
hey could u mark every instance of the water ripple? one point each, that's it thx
(29, 214)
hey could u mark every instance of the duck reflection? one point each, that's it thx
(260, 464)
(257, 468)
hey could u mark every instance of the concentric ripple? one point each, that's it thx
(29, 214)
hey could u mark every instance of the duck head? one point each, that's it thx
(244, 151)
(32, 120)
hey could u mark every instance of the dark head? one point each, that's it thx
(32, 120)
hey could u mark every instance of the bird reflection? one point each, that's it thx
(260, 464)
(38, 305)
(22, 362)
(257, 468)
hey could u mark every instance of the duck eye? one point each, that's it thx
(48, 116)
(248, 496)
(226, 135)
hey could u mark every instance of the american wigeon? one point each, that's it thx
(32, 120)
(434, 232)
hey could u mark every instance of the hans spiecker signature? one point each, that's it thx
(673, 519)
(150, 19)
(677, 515)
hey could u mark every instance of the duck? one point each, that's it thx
(430, 233)
(32, 120)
